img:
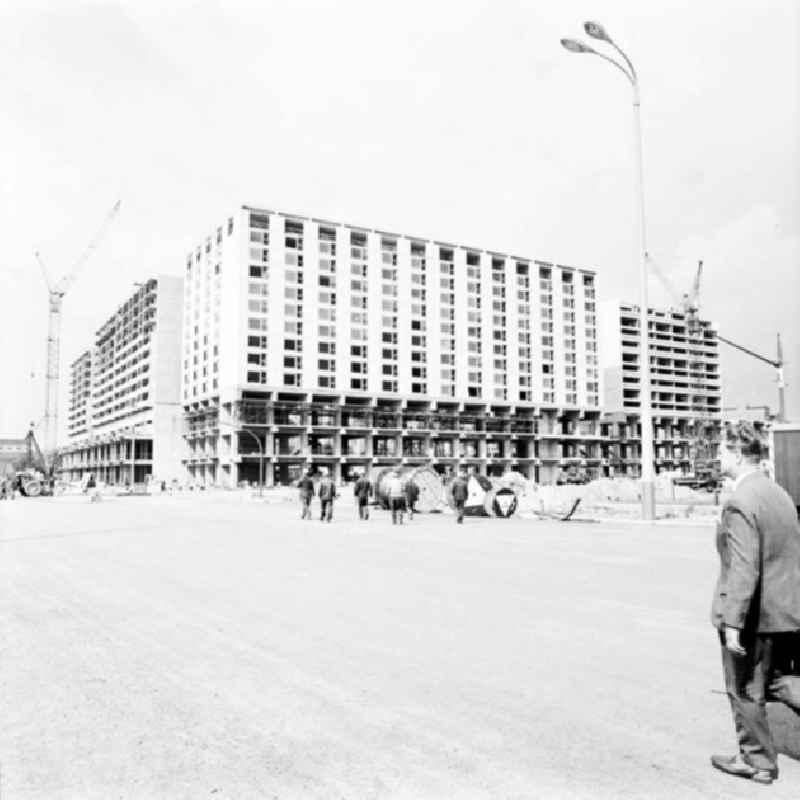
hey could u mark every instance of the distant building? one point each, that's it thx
(125, 415)
(321, 344)
(80, 398)
(686, 390)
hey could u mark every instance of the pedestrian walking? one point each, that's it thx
(327, 494)
(362, 491)
(756, 606)
(306, 487)
(460, 494)
(394, 490)
(411, 497)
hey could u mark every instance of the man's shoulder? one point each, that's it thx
(755, 489)
(757, 494)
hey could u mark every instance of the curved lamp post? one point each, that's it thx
(597, 31)
(260, 459)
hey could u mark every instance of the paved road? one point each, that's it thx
(191, 647)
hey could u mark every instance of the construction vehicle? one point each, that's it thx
(30, 471)
(55, 299)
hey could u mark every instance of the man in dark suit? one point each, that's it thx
(460, 491)
(362, 491)
(757, 600)
(306, 487)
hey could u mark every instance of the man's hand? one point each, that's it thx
(732, 641)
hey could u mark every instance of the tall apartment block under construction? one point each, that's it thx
(686, 389)
(125, 416)
(311, 343)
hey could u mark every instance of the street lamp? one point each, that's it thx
(260, 460)
(597, 31)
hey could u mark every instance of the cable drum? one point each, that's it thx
(484, 499)
(500, 502)
(427, 480)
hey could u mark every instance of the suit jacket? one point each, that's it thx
(460, 490)
(327, 489)
(758, 541)
(362, 489)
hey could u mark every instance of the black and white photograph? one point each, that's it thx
(399, 401)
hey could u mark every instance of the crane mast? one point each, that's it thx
(52, 372)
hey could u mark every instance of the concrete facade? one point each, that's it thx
(316, 343)
(129, 428)
(686, 389)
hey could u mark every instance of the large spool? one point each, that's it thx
(483, 499)
(500, 502)
(427, 480)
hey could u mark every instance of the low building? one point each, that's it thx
(685, 384)
(125, 423)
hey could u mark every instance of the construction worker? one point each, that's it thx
(394, 490)
(460, 494)
(362, 491)
(306, 487)
(412, 494)
(327, 494)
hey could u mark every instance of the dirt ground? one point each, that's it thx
(199, 646)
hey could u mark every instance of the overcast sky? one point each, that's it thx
(463, 121)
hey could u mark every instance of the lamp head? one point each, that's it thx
(574, 46)
(596, 31)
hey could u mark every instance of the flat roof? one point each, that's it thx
(425, 239)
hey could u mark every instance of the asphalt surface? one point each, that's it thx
(200, 646)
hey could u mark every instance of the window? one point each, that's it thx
(252, 341)
(291, 326)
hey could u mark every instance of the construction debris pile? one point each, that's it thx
(612, 497)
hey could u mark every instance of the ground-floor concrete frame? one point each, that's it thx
(276, 436)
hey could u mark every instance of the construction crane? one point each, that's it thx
(773, 362)
(55, 298)
(689, 304)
